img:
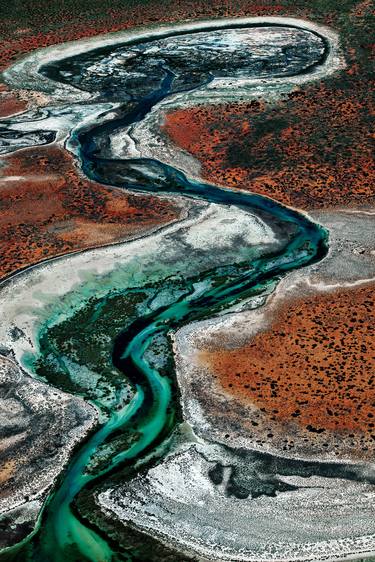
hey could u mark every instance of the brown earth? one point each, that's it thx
(315, 365)
(52, 210)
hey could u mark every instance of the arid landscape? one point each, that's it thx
(187, 281)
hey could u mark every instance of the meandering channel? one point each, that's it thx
(140, 76)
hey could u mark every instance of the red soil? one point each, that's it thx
(46, 28)
(44, 23)
(315, 365)
(54, 210)
(311, 150)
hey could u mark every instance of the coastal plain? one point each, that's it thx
(276, 392)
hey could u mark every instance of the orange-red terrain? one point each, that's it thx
(277, 151)
(315, 365)
(313, 149)
(62, 212)
(44, 22)
(52, 209)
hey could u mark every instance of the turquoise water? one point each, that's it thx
(151, 413)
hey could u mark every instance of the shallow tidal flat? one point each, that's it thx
(233, 444)
(107, 286)
(280, 400)
(292, 380)
(40, 427)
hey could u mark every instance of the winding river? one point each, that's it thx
(140, 76)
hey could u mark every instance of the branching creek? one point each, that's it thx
(140, 76)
